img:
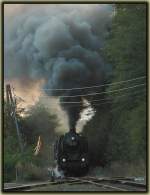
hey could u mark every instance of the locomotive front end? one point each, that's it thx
(71, 153)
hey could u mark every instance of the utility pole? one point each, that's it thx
(12, 108)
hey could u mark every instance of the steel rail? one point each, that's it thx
(28, 186)
(25, 186)
(101, 185)
(123, 180)
(129, 181)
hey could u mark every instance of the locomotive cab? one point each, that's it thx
(71, 153)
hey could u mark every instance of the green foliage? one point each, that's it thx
(126, 47)
(34, 172)
(117, 132)
(138, 133)
(126, 50)
(37, 122)
(9, 125)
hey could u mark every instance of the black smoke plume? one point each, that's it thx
(60, 44)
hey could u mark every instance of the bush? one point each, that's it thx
(33, 172)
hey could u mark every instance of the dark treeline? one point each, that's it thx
(117, 133)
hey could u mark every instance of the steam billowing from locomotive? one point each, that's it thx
(60, 44)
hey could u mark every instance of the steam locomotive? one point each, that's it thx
(71, 153)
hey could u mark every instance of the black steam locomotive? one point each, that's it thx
(71, 153)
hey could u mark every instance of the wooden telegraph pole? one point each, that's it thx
(12, 109)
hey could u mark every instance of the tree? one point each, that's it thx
(37, 122)
(125, 49)
(40, 122)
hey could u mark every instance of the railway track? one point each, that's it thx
(103, 184)
(115, 184)
(24, 187)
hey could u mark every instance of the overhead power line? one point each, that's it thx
(99, 100)
(95, 86)
(105, 102)
(104, 92)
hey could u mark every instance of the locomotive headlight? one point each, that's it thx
(64, 160)
(83, 159)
